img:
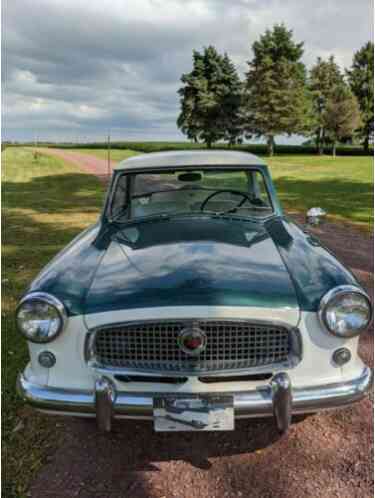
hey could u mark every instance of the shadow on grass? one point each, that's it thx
(55, 193)
(348, 199)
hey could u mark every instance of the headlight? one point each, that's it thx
(40, 317)
(345, 311)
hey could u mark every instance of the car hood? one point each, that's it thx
(201, 262)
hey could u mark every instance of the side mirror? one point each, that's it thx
(315, 216)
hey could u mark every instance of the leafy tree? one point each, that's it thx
(210, 99)
(341, 116)
(325, 77)
(277, 100)
(361, 80)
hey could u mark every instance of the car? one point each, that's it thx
(194, 301)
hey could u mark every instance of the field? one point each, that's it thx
(45, 204)
(343, 186)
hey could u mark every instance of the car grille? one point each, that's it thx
(154, 346)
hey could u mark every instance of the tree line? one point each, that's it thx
(278, 96)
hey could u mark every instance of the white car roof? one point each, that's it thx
(161, 160)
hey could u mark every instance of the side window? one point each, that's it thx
(120, 200)
(258, 188)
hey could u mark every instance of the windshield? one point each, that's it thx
(238, 192)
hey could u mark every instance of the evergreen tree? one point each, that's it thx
(325, 77)
(341, 116)
(277, 100)
(361, 80)
(190, 120)
(231, 98)
(210, 99)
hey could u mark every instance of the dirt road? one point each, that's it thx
(326, 455)
(85, 162)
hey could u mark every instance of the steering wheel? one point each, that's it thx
(246, 197)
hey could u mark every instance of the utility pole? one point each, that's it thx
(109, 154)
(321, 103)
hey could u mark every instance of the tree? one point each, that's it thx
(210, 99)
(277, 100)
(325, 77)
(361, 80)
(341, 115)
(231, 98)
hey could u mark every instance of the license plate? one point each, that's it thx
(201, 413)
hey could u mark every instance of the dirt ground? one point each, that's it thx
(325, 455)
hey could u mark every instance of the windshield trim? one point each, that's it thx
(118, 174)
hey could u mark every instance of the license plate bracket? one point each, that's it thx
(193, 413)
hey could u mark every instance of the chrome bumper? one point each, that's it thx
(278, 399)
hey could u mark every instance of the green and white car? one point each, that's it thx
(193, 301)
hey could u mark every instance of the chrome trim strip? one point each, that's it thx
(246, 404)
(264, 369)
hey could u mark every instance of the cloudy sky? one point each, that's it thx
(72, 69)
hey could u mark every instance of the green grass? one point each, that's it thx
(45, 204)
(343, 186)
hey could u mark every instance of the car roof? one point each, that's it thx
(191, 158)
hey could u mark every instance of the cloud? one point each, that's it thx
(74, 69)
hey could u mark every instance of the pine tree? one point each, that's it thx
(277, 100)
(189, 120)
(210, 99)
(231, 102)
(325, 77)
(361, 80)
(341, 116)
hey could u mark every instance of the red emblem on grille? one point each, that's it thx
(192, 340)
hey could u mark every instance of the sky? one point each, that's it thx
(74, 70)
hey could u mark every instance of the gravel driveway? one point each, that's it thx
(325, 455)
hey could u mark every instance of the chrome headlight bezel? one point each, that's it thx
(43, 297)
(343, 290)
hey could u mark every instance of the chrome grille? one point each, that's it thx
(153, 346)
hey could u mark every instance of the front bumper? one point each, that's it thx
(278, 398)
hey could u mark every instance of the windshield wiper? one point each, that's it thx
(140, 219)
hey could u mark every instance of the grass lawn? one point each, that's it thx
(343, 186)
(45, 204)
